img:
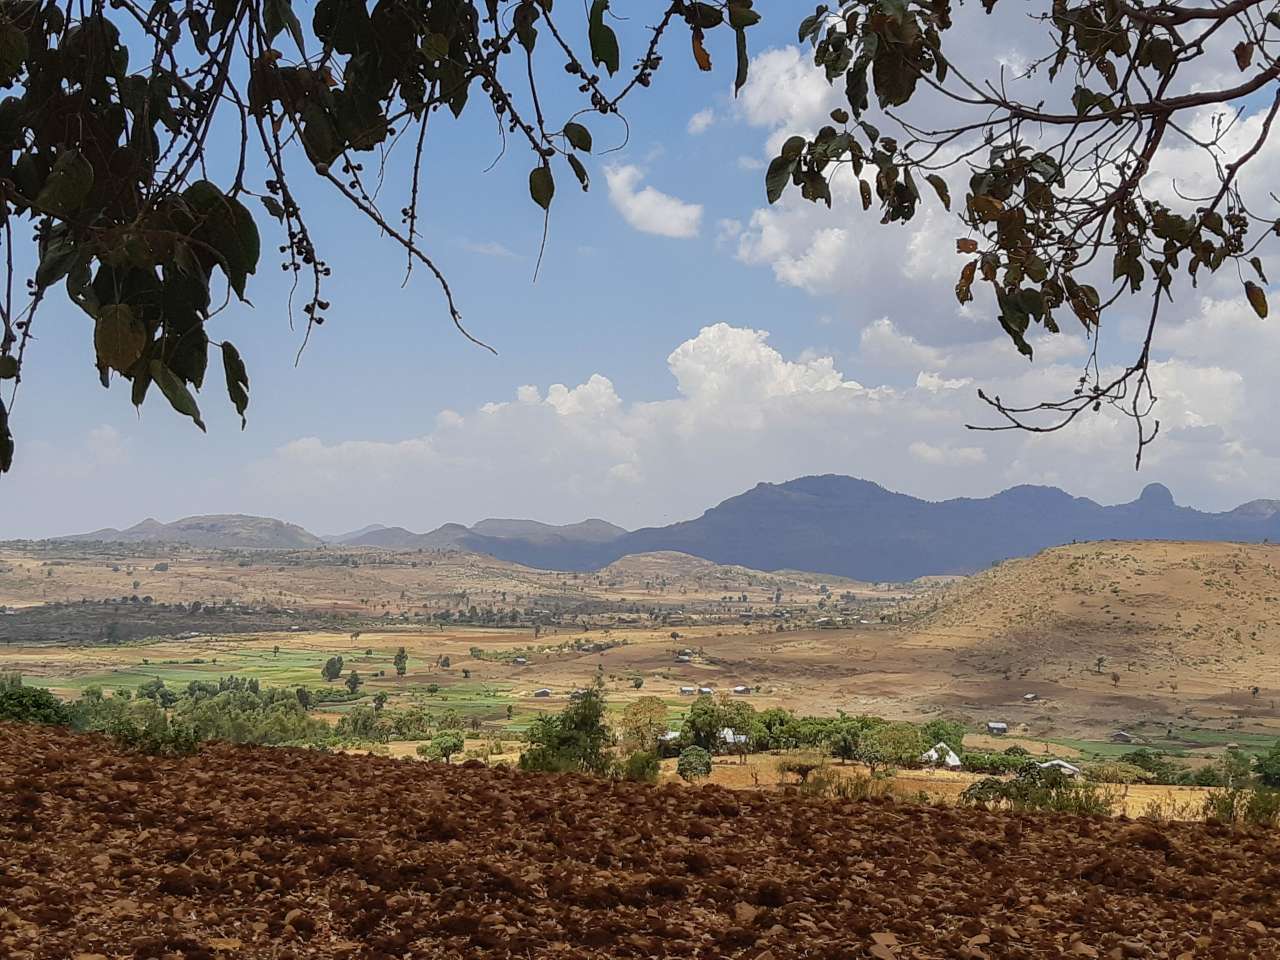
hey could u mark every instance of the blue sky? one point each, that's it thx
(868, 367)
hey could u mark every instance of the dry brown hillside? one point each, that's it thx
(1174, 620)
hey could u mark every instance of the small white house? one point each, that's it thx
(732, 738)
(741, 689)
(1069, 769)
(670, 736)
(1123, 736)
(521, 661)
(1030, 697)
(688, 691)
(941, 755)
(997, 728)
(544, 692)
(683, 658)
(705, 691)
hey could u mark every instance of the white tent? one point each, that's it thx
(941, 756)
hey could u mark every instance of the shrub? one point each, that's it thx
(641, 767)
(152, 732)
(802, 765)
(1269, 766)
(694, 764)
(1115, 771)
(995, 764)
(1041, 790)
(30, 704)
(1253, 806)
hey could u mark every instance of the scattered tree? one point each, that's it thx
(353, 681)
(401, 661)
(443, 745)
(576, 739)
(643, 722)
(332, 669)
(379, 700)
(694, 764)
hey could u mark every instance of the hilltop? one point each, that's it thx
(219, 531)
(834, 525)
(272, 853)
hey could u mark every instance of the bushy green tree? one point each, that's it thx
(890, 744)
(332, 669)
(401, 661)
(353, 681)
(702, 724)
(443, 745)
(940, 730)
(155, 690)
(643, 722)
(23, 704)
(1269, 766)
(694, 764)
(576, 739)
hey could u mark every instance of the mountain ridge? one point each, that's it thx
(827, 523)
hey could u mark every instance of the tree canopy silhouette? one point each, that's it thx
(113, 110)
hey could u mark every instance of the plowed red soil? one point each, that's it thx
(243, 852)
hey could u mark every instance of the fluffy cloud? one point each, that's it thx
(649, 210)
(701, 121)
(741, 412)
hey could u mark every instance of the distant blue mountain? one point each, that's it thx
(828, 524)
(855, 528)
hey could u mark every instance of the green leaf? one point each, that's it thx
(176, 392)
(1257, 299)
(741, 15)
(273, 207)
(278, 14)
(703, 15)
(604, 42)
(6, 440)
(59, 256)
(940, 187)
(792, 149)
(579, 171)
(118, 337)
(225, 233)
(237, 380)
(524, 17)
(8, 368)
(740, 76)
(435, 46)
(810, 26)
(13, 52)
(67, 185)
(778, 175)
(579, 137)
(542, 186)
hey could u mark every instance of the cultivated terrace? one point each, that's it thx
(281, 853)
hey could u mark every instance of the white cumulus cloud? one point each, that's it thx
(649, 210)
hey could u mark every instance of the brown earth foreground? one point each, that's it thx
(260, 852)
